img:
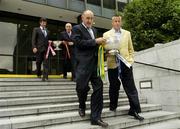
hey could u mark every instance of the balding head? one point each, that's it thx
(68, 27)
(86, 12)
(87, 18)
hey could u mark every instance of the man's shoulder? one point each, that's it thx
(77, 26)
(125, 31)
(63, 32)
(36, 29)
(108, 32)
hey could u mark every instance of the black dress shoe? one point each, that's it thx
(81, 112)
(44, 79)
(112, 109)
(100, 123)
(136, 116)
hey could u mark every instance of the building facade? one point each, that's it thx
(19, 17)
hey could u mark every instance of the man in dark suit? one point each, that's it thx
(39, 46)
(68, 51)
(86, 46)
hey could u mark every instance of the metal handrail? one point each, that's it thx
(160, 67)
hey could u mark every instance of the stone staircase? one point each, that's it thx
(32, 104)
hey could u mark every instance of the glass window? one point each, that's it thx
(16, 49)
(95, 2)
(38, 1)
(57, 3)
(121, 6)
(110, 4)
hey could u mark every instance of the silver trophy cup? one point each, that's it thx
(56, 44)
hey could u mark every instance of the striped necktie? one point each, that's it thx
(44, 32)
(91, 33)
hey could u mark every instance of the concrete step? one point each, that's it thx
(46, 99)
(39, 83)
(46, 93)
(50, 108)
(170, 124)
(125, 122)
(39, 88)
(43, 100)
(32, 79)
(35, 87)
(37, 80)
(69, 117)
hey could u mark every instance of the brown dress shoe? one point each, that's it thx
(100, 123)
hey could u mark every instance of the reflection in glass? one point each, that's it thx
(8, 40)
(95, 2)
(110, 4)
(121, 6)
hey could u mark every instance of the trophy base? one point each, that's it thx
(57, 49)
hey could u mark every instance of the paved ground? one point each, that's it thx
(173, 124)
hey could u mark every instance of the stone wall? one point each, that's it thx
(165, 83)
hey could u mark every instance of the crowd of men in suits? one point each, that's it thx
(80, 45)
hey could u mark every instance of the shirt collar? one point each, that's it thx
(117, 31)
(85, 26)
(68, 32)
(42, 28)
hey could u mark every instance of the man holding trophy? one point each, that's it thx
(119, 61)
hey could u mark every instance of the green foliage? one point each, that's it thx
(152, 21)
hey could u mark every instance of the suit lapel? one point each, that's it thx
(66, 35)
(40, 31)
(112, 33)
(94, 31)
(86, 31)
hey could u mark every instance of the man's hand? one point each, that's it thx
(100, 41)
(34, 50)
(70, 43)
(64, 42)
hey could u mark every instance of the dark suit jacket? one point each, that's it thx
(86, 50)
(39, 41)
(64, 36)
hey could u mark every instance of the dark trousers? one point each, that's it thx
(73, 66)
(40, 58)
(69, 65)
(127, 80)
(82, 88)
(66, 67)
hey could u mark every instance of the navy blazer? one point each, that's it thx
(64, 36)
(39, 41)
(86, 50)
